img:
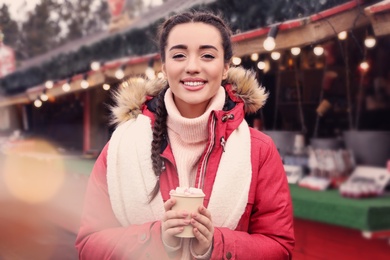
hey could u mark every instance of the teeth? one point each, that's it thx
(197, 83)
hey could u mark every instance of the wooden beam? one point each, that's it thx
(379, 15)
(13, 100)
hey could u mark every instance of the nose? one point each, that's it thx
(193, 66)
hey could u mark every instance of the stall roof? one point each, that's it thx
(293, 33)
(305, 31)
(379, 15)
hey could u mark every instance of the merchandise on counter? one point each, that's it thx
(315, 182)
(335, 165)
(365, 182)
(294, 173)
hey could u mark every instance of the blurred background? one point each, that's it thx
(325, 63)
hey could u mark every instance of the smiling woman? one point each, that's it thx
(189, 130)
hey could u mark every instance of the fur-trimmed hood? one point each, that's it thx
(132, 94)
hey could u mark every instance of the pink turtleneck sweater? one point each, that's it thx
(188, 136)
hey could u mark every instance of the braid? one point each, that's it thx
(159, 133)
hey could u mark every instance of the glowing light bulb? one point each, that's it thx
(364, 65)
(254, 56)
(119, 74)
(44, 97)
(318, 50)
(106, 86)
(370, 42)
(95, 65)
(37, 103)
(275, 55)
(269, 43)
(261, 65)
(66, 87)
(295, 51)
(84, 84)
(342, 35)
(150, 73)
(236, 61)
(49, 84)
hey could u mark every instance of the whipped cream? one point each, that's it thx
(187, 191)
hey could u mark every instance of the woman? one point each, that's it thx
(188, 130)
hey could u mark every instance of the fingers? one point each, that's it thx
(203, 230)
(202, 222)
(169, 204)
(173, 221)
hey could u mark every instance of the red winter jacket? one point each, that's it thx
(265, 230)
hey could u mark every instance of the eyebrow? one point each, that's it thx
(184, 47)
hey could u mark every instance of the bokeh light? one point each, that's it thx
(33, 171)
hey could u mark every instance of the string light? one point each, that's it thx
(119, 73)
(295, 51)
(318, 50)
(236, 61)
(370, 41)
(149, 72)
(37, 103)
(269, 43)
(254, 56)
(275, 55)
(49, 84)
(261, 65)
(66, 87)
(364, 66)
(84, 83)
(106, 86)
(44, 97)
(342, 35)
(95, 65)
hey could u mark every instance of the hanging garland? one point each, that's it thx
(243, 15)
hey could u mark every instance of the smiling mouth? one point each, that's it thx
(193, 83)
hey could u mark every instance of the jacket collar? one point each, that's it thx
(242, 87)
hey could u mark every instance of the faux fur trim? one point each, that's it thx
(132, 93)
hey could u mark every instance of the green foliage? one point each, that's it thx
(8, 27)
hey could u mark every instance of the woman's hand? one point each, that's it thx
(203, 231)
(172, 224)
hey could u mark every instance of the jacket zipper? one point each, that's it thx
(209, 149)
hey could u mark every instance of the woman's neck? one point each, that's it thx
(191, 111)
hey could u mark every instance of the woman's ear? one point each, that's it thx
(163, 70)
(225, 71)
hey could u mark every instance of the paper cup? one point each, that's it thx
(189, 204)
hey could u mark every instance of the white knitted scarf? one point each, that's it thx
(131, 179)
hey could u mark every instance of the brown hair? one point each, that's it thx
(159, 127)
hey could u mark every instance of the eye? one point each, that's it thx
(208, 56)
(178, 56)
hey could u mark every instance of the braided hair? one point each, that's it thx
(159, 134)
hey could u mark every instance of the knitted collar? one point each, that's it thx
(191, 130)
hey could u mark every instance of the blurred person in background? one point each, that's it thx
(189, 130)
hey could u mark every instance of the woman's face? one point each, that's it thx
(194, 66)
